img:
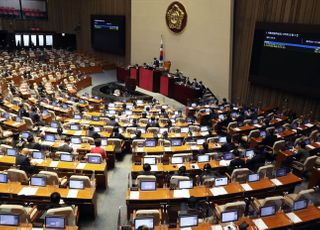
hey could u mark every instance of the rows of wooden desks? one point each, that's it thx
(232, 191)
(29, 227)
(70, 132)
(65, 168)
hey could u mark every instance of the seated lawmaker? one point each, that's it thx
(257, 160)
(23, 161)
(99, 149)
(302, 153)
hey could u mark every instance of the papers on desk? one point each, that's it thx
(195, 166)
(188, 228)
(134, 195)
(278, 119)
(237, 129)
(278, 135)
(246, 187)
(218, 191)
(183, 193)
(81, 165)
(54, 164)
(310, 147)
(73, 193)
(177, 134)
(77, 133)
(318, 143)
(154, 168)
(260, 224)
(167, 149)
(204, 133)
(36, 161)
(276, 182)
(257, 125)
(216, 227)
(28, 191)
(224, 162)
(293, 217)
(309, 125)
(139, 149)
(194, 147)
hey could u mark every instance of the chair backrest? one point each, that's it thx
(266, 171)
(270, 129)
(145, 178)
(254, 133)
(309, 163)
(274, 200)
(277, 146)
(194, 128)
(51, 177)
(66, 212)
(17, 175)
(137, 143)
(247, 121)
(240, 175)
(149, 213)
(313, 135)
(174, 180)
(143, 121)
(116, 142)
(154, 130)
(131, 130)
(298, 140)
(305, 194)
(17, 210)
(232, 124)
(89, 140)
(28, 122)
(212, 139)
(238, 205)
(85, 179)
(180, 120)
(174, 129)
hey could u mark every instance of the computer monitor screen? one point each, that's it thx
(25, 135)
(94, 159)
(204, 128)
(77, 116)
(3, 178)
(300, 204)
(9, 219)
(149, 160)
(54, 124)
(11, 152)
(188, 221)
(139, 102)
(38, 181)
(150, 143)
(253, 177)
(65, 106)
(177, 160)
(148, 185)
(6, 115)
(249, 153)
(184, 129)
(176, 142)
(97, 129)
(50, 138)
(263, 134)
(66, 157)
(37, 155)
(203, 158)
(162, 130)
(128, 112)
(227, 156)
(229, 216)
(222, 139)
(95, 118)
(221, 181)
(255, 121)
(74, 127)
(280, 129)
(307, 141)
(200, 141)
(112, 112)
(104, 142)
(144, 221)
(55, 222)
(281, 172)
(76, 184)
(268, 210)
(75, 140)
(18, 119)
(111, 105)
(221, 117)
(185, 184)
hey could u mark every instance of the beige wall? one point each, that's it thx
(202, 50)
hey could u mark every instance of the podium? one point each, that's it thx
(149, 79)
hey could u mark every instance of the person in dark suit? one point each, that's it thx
(22, 112)
(153, 122)
(23, 161)
(156, 63)
(302, 153)
(237, 162)
(228, 146)
(270, 139)
(31, 144)
(257, 160)
(92, 133)
(35, 117)
(66, 146)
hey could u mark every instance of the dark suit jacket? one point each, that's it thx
(24, 163)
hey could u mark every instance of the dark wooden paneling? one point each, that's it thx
(247, 13)
(66, 15)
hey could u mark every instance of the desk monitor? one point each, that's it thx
(95, 118)
(4, 178)
(76, 184)
(307, 141)
(96, 97)
(263, 134)
(6, 115)
(74, 127)
(280, 129)
(37, 155)
(75, 140)
(185, 129)
(139, 102)
(104, 142)
(229, 216)
(162, 130)
(128, 112)
(54, 124)
(176, 142)
(82, 101)
(268, 211)
(97, 129)
(150, 143)
(9, 220)
(111, 105)
(222, 139)
(112, 112)
(55, 222)
(255, 121)
(200, 141)
(54, 103)
(249, 153)
(65, 106)
(177, 160)
(188, 221)
(281, 172)
(38, 181)
(142, 130)
(204, 128)
(185, 184)
(77, 116)
(18, 119)
(144, 221)
(50, 138)
(221, 181)
(300, 204)
(25, 135)
(11, 152)
(148, 185)
(253, 177)
(149, 160)
(203, 158)
(95, 159)
(66, 157)
(227, 156)
(294, 125)
(221, 117)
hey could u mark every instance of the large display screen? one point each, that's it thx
(108, 34)
(287, 57)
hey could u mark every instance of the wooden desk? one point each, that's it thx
(282, 156)
(11, 106)
(69, 132)
(243, 129)
(18, 126)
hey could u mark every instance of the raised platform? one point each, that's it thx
(106, 91)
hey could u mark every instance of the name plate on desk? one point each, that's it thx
(309, 125)
(167, 149)
(36, 161)
(73, 193)
(224, 162)
(293, 217)
(81, 165)
(183, 193)
(139, 149)
(246, 187)
(275, 181)
(54, 164)
(134, 195)
(260, 224)
(28, 191)
(218, 191)
(204, 133)
(194, 147)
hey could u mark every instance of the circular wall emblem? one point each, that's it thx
(176, 17)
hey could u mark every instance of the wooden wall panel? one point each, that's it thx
(67, 15)
(247, 13)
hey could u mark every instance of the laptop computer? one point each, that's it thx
(188, 221)
(55, 222)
